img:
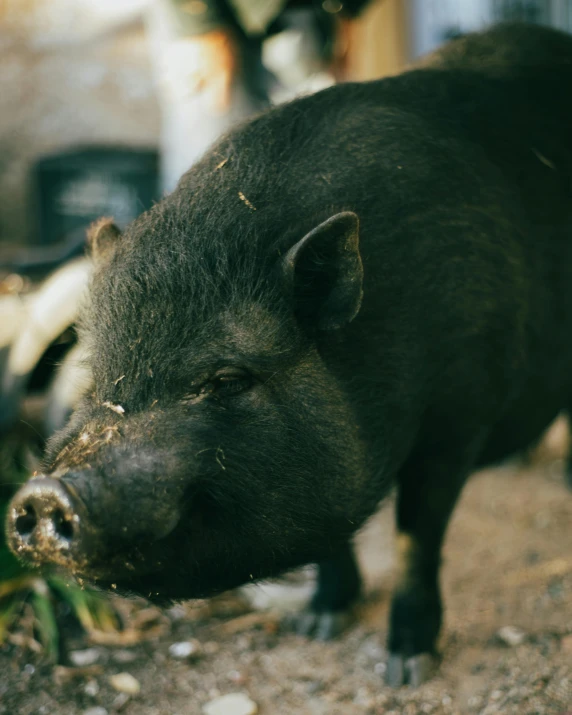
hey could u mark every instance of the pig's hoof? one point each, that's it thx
(409, 671)
(323, 625)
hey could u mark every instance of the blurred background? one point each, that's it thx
(77, 75)
(103, 105)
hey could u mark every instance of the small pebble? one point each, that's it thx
(81, 658)
(236, 677)
(95, 711)
(373, 649)
(91, 688)
(176, 613)
(363, 698)
(231, 704)
(124, 656)
(185, 650)
(244, 643)
(125, 683)
(121, 701)
(511, 636)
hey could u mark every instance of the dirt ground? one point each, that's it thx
(507, 562)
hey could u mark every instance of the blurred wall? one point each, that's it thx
(78, 72)
(71, 72)
(380, 46)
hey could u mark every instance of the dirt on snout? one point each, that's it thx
(507, 641)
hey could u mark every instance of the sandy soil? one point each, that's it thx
(508, 562)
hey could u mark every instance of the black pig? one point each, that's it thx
(368, 287)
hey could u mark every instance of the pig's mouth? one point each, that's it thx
(49, 525)
(184, 564)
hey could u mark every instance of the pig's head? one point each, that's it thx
(216, 445)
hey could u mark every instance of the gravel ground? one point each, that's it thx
(507, 563)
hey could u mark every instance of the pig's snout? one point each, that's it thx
(45, 523)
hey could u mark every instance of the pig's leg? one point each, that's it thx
(339, 585)
(427, 493)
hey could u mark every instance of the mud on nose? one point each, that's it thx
(43, 524)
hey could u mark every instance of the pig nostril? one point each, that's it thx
(26, 523)
(43, 523)
(62, 525)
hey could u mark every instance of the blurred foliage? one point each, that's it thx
(23, 590)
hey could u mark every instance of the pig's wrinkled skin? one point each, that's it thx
(258, 390)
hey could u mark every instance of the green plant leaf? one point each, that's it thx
(46, 622)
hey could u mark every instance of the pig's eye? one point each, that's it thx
(225, 384)
(228, 385)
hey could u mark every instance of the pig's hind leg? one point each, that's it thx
(428, 488)
(338, 587)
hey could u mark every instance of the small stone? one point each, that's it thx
(91, 688)
(363, 698)
(95, 711)
(121, 701)
(176, 613)
(236, 677)
(185, 650)
(124, 656)
(373, 649)
(82, 658)
(244, 643)
(231, 704)
(125, 683)
(511, 636)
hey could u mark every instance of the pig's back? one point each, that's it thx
(491, 109)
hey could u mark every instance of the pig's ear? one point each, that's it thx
(325, 272)
(102, 237)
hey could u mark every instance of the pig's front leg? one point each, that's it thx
(427, 492)
(338, 587)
